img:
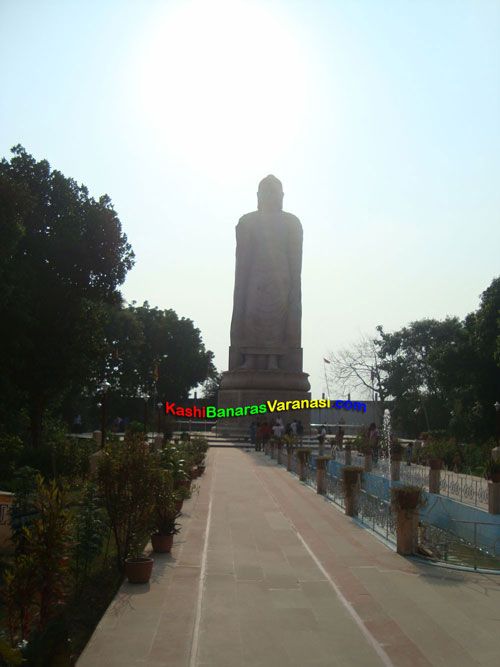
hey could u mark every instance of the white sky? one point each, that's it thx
(381, 118)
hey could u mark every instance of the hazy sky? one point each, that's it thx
(381, 118)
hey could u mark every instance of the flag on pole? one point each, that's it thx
(326, 360)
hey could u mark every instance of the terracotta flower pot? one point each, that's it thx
(178, 505)
(138, 570)
(435, 464)
(162, 544)
(408, 501)
(350, 477)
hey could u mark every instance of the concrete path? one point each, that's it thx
(265, 572)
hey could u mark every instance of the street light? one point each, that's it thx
(159, 406)
(146, 399)
(104, 386)
(497, 410)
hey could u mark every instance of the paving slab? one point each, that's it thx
(267, 573)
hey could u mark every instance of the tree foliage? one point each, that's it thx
(437, 374)
(150, 350)
(63, 257)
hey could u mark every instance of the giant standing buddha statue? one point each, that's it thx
(265, 356)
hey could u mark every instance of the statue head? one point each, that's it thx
(270, 195)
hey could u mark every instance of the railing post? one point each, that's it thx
(395, 470)
(279, 445)
(434, 475)
(494, 497)
(368, 460)
(321, 462)
(350, 478)
(289, 454)
(406, 531)
(302, 455)
(272, 449)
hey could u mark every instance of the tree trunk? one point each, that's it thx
(37, 406)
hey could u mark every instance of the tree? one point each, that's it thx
(211, 387)
(151, 350)
(357, 369)
(64, 260)
(423, 362)
(483, 328)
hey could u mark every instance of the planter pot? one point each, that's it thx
(186, 483)
(138, 570)
(201, 470)
(408, 501)
(178, 505)
(162, 544)
(350, 477)
(193, 473)
(495, 477)
(435, 464)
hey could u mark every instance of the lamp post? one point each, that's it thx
(497, 410)
(159, 406)
(146, 399)
(104, 388)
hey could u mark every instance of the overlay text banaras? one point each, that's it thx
(210, 411)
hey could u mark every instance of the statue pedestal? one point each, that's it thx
(236, 398)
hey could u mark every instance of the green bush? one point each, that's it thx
(127, 471)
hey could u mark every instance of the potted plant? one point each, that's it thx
(172, 460)
(350, 475)
(435, 464)
(180, 495)
(138, 569)
(126, 475)
(164, 514)
(493, 470)
(407, 497)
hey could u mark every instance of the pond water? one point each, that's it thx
(450, 549)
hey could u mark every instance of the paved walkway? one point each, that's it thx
(265, 572)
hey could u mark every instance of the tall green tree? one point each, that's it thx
(64, 259)
(483, 328)
(427, 370)
(153, 351)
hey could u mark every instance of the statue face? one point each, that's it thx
(270, 195)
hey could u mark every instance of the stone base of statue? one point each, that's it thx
(243, 388)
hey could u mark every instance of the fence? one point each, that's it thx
(443, 537)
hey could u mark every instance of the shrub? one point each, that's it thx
(90, 529)
(350, 476)
(126, 474)
(165, 511)
(37, 582)
(408, 497)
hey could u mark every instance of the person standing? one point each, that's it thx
(277, 430)
(300, 430)
(409, 450)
